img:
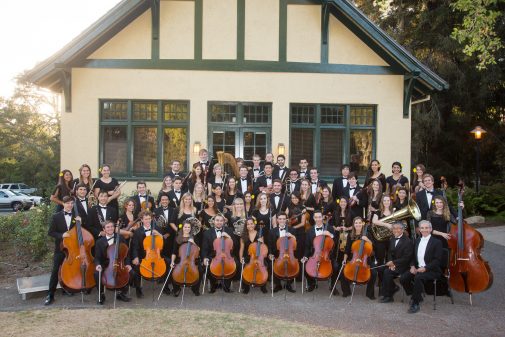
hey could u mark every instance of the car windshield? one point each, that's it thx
(9, 193)
(19, 194)
(23, 186)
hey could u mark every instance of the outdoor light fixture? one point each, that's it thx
(281, 149)
(196, 147)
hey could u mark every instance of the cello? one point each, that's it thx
(153, 266)
(468, 271)
(286, 265)
(116, 276)
(255, 272)
(223, 265)
(319, 264)
(186, 273)
(76, 273)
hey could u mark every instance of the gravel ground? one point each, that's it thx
(484, 318)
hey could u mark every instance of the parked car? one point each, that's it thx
(35, 199)
(18, 187)
(9, 199)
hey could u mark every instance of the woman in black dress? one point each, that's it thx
(186, 209)
(396, 180)
(208, 213)
(198, 197)
(307, 199)
(108, 184)
(381, 247)
(296, 220)
(166, 186)
(250, 235)
(248, 203)
(342, 227)
(127, 221)
(84, 178)
(263, 212)
(374, 173)
(231, 192)
(63, 189)
(327, 205)
(197, 176)
(217, 178)
(217, 192)
(441, 219)
(417, 182)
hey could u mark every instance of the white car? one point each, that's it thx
(18, 187)
(35, 199)
(9, 199)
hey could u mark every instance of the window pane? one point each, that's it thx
(145, 150)
(175, 111)
(114, 146)
(223, 113)
(302, 146)
(174, 147)
(332, 114)
(223, 141)
(331, 149)
(254, 143)
(303, 114)
(361, 150)
(257, 113)
(362, 115)
(145, 111)
(114, 111)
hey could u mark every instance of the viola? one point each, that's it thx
(146, 204)
(286, 265)
(319, 265)
(357, 270)
(186, 271)
(255, 272)
(77, 270)
(153, 266)
(223, 265)
(469, 272)
(116, 276)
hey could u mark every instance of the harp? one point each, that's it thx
(228, 163)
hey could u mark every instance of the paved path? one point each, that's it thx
(494, 234)
(485, 318)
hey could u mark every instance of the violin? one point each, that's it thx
(186, 271)
(77, 270)
(357, 270)
(223, 265)
(116, 276)
(255, 272)
(153, 266)
(469, 272)
(286, 265)
(319, 265)
(146, 204)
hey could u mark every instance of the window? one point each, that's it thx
(141, 138)
(328, 135)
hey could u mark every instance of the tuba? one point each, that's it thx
(381, 233)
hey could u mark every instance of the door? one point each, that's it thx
(240, 142)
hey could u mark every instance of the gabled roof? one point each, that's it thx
(49, 73)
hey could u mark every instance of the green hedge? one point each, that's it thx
(489, 202)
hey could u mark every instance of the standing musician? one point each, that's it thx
(199, 196)
(396, 180)
(401, 199)
(61, 223)
(63, 189)
(307, 198)
(176, 194)
(263, 212)
(166, 186)
(293, 183)
(319, 228)
(327, 205)
(282, 230)
(249, 236)
(248, 203)
(342, 227)
(208, 253)
(175, 171)
(354, 194)
(245, 183)
(424, 266)
(237, 213)
(82, 202)
(205, 164)
(280, 170)
(217, 192)
(100, 213)
(168, 215)
(208, 213)
(128, 221)
(185, 236)
(197, 177)
(316, 183)
(401, 250)
(142, 201)
(110, 185)
(356, 234)
(297, 217)
(138, 253)
(278, 200)
(441, 219)
(424, 197)
(257, 169)
(101, 261)
(84, 178)
(380, 248)
(264, 183)
(231, 191)
(340, 183)
(269, 158)
(374, 173)
(218, 178)
(303, 173)
(417, 182)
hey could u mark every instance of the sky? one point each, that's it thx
(33, 30)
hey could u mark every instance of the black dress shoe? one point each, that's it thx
(264, 289)
(245, 290)
(371, 297)
(101, 300)
(346, 294)
(396, 290)
(176, 292)
(227, 290)
(311, 288)
(386, 299)
(278, 288)
(212, 290)
(167, 290)
(123, 297)
(49, 300)
(414, 308)
(139, 293)
(196, 292)
(66, 293)
(290, 289)
(335, 292)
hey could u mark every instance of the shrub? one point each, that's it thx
(489, 202)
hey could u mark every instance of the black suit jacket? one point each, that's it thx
(310, 235)
(432, 256)
(137, 242)
(82, 212)
(172, 218)
(209, 236)
(273, 236)
(283, 203)
(319, 183)
(93, 222)
(174, 201)
(289, 190)
(357, 209)
(58, 227)
(249, 184)
(401, 255)
(338, 188)
(422, 201)
(276, 174)
(138, 205)
(101, 257)
(262, 182)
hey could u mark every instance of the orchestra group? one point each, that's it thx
(264, 226)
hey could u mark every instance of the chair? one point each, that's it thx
(440, 286)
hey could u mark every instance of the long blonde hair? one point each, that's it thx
(181, 207)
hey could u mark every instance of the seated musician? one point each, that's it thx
(101, 213)
(318, 229)
(356, 234)
(138, 252)
(424, 266)
(183, 237)
(61, 223)
(141, 199)
(400, 254)
(167, 216)
(208, 252)
(250, 236)
(282, 230)
(101, 261)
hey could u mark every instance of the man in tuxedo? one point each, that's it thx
(282, 230)
(294, 184)
(176, 170)
(340, 183)
(245, 183)
(82, 202)
(264, 183)
(101, 213)
(351, 193)
(316, 230)
(278, 200)
(304, 172)
(61, 223)
(169, 230)
(316, 183)
(401, 251)
(424, 197)
(257, 168)
(424, 266)
(142, 197)
(208, 252)
(204, 163)
(175, 195)
(101, 261)
(280, 170)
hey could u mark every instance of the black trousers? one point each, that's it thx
(380, 249)
(277, 281)
(53, 281)
(388, 283)
(414, 284)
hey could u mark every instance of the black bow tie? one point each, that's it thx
(165, 208)
(177, 191)
(103, 207)
(352, 188)
(82, 200)
(319, 228)
(430, 192)
(268, 177)
(142, 196)
(282, 229)
(277, 194)
(219, 230)
(69, 214)
(243, 179)
(256, 169)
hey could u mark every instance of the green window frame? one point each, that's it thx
(140, 138)
(329, 135)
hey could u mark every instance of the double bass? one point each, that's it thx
(319, 265)
(153, 266)
(116, 276)
(76, 273)
(469, 272)
(286, 265)
(255, 272)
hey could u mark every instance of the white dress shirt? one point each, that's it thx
(421, 251)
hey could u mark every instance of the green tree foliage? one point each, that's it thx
(29, 139)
